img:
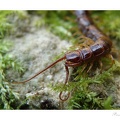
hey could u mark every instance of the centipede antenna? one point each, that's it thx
(64, 99)
(40, 71)
(66, 81)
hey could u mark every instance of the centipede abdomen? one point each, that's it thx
(88, 28)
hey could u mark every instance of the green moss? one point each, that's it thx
(82, 97)
(4, 25)
(57, 22)
(8, 98)
(85, 98)
(109, 22)
(60, 22)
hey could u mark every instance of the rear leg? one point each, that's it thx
(112, 59)
(90, 67)
(83, 69)
(101, 66)
(71, 20)
(88, 41)
(76, 34)
(85, 42)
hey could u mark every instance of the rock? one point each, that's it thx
(36, 51)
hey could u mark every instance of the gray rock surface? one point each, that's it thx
(36, 51)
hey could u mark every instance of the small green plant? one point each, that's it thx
(57, 22)
(83, 97)
(8, 98)
(109, 22)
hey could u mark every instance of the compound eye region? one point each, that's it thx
(73, 57)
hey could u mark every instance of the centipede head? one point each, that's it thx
(73, 58)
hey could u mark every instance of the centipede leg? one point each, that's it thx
(81, 40)
(69, 19)
(91, 65)
(76, 33)
(84, 68)
(73, 29)
(113, 61)
(101, 65)
(88, 42)
(111, 57)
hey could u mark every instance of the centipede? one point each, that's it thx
(100, 46)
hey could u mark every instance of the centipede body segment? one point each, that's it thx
(101, 46)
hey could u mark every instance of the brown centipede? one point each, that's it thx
(101, 46)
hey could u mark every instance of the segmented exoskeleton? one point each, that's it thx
(101, 46)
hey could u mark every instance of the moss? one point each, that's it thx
(109, 22)
(61, 22)
(57, 22)
(8, 98)
(83, 97)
